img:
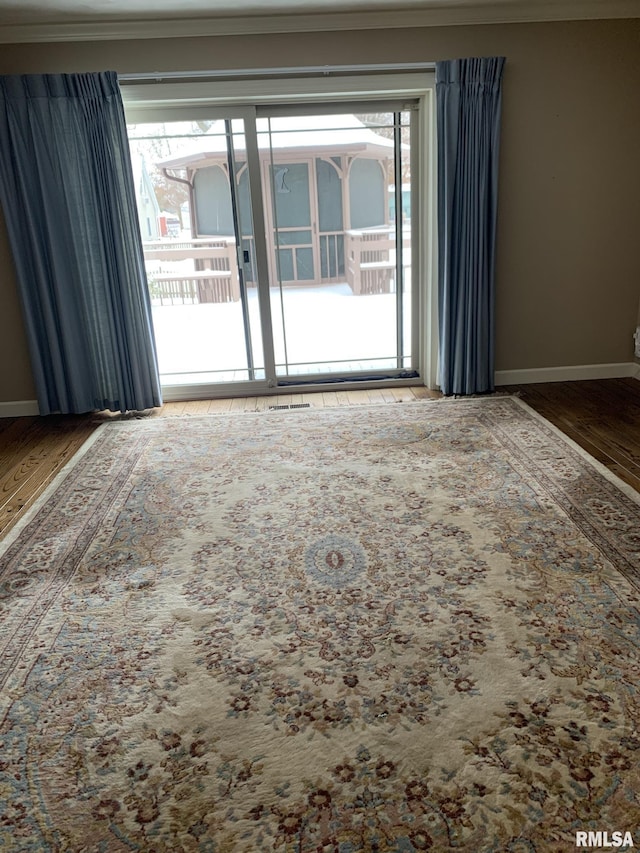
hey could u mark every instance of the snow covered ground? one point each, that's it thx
(315, 329)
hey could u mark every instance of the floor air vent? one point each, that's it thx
(292, 406)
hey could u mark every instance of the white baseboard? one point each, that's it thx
(568, 374)
(19, 409)
(27, 408)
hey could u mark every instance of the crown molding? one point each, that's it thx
(461, 14)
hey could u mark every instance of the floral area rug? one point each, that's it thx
(390, 628)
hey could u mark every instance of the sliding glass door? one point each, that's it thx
(196, 221)
(278, 244)
(341, 257)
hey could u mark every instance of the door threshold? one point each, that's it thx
(346, 379)
(188, 393)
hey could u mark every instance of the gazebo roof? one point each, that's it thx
(301, 135)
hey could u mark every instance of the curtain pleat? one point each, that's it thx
(67, 193)
(468, 98)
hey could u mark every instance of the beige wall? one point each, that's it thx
(568, 270)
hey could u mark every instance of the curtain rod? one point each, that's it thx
(262, 73)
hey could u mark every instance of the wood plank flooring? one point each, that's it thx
(601, 416)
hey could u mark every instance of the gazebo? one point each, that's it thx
(325, 185)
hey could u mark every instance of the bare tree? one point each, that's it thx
(383, 125)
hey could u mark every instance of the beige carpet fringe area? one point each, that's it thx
(353, 630)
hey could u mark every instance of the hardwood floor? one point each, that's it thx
(601, 416)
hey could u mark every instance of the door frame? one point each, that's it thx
(158, 98)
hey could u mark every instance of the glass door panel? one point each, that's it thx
(194, 207)
(340, 287)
